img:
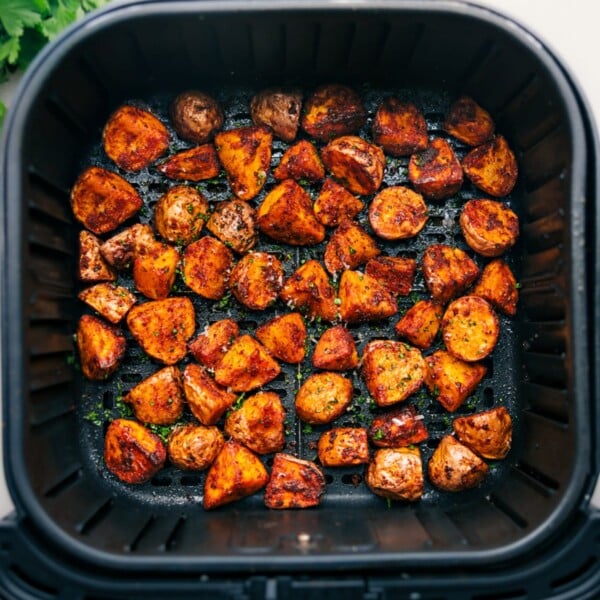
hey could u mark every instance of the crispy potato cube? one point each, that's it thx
(258, 423)
(246, 366)
(294, 483)
(421, 323)
(451, 380)
(101, 200)
(397, 213)
(356, 163)
(349, 247)
(179, 214)
(335, 350)
(120, 250)
(207, 400)
(154, 272)
(92, 266)
(343, 447)
(487, 433)
(196, 116)
(286, 215)
(111, 301)
(245, 154)
(235, 474)
(207, 266)
(234, 223)
(101, 347)
(396, 473)
(363, 298)
(323, 397)
(397, 428)
(498, 286)
(492, 167)
(194, 447)
(468, 122)
(132, 452)
(162, 327)
(279, 110)
(399, 128)
(395, 273)
(196, 164)
(256, 280)
(284, 337)
(335, 203)
(210, 346)
(300, 161)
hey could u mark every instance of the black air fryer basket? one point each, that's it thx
(528, 531)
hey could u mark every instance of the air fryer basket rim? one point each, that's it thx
(12, 313)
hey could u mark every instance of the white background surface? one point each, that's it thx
(571, 28)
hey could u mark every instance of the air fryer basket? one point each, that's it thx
(426, 51)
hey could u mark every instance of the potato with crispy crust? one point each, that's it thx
(256, 280)
(195, 164)
(349, 247)
(399, 128)
(194, 447)
(487, 433)
(179, 214)
(258, 423)
(154, 272)
(196, 116)
(468, 122)
(110, 300)
(397, 428)
(421, 323)
(363, 298)
(335, 350)
(134, 138)
(101, 200)
(284, 337)
(397, 213)
(396, 473)
(234, 223)
(498, 286)
(101, 347)
(335, 203)
(356, 163)
(132, 452)
(207, 266)
(91, 265)
(120, 250)
(343, 447)
(300, 161)
(395, 273)
(279, 110)
(323, 397)
(245, 154)
(210, 346)
(207, 400)
(236, 473)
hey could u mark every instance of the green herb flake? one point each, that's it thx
(378, 435)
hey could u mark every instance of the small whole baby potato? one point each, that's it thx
(396, 473)
(397, 213)
(279, 110)
(179, 214)
(194, 447)
(196, 116)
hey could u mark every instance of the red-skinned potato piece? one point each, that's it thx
(397, 213)
(335, 350)
(399, 128)
(234, 223)
(120, 249)
(279, 110)
(395, 273)
(300, 161)
(196, 116)
(363, 298)
(180, 213)
(210, 346)
(421, 323)
(468, 122)
(398, 427)
(487, 433)
(101, 347)
(335, 203)
(195, 164)
(194, 447)
(92, 266)
(207, 266)
(284, 337)
(396, 473)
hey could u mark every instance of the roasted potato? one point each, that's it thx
(349, 247)
(279, 110)
(120, 250)
(207, 400)
(488, 433)
(294, 483)
(210, 346)
(323, 397)
(196, 116)
(154, 272)
(134, 138)
(101, 347)
(284, 337)
(300, 161)
(489, 227)
(335, 204)
(396, 473)
(343, 447)
(162, 327)
(256, 280)
(235, 474)
(234, 223)
(92, 266)
(258, 423)
(335, 350)
(194, 447)
(207, 266)
(453, 467)
(286, 215)
(421, 323)
(196, 164)
(498, 286)
(363, 298)
(111, 301)
(468, 122)
(356, 163)
(399, 128)
(395, 273)
(397, 428)
(101, 200)
(131, 452)
(397, 213)
(492, 167)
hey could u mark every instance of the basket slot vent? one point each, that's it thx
(543, 263)
(547, 199)
(96, 517)
(154, 534)
(546, 369)
(200, 40)
(61, 111)
(399, 45)
(300, 45)
(334, 43)
(48, 199)
(548, 338)
(544, 233)
(50, 235)
(441, 529)
(48, 371)
(48, 307)
(548, 402)
(543, 300)
(50, 404)
(572, 578)
(64, 483)
(547, 159)
(174, 537)
(370, 38)
(133, 545)
(547, 482)
(235, 46)
(385, 530)
(49, 340)
(268, 47)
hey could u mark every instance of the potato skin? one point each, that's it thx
(279, 110)
(284, 337)
(397, 213)
(154, 272)
(207, 267)
(363, 298)
(196, 116)
(180, 213)
(349, 247)
(111, 301)
(234, 223)
(487, 433)
(343, 447)
(335, 350)
(210, 346)
(300, 161)
(91, 265)
(395, 273)
(396, 473)
(498, 286)
(335, 204)
(256, 280)
(323, 397)
(207, 400)
(397, 428)
(120, 250)
(196, 164)
(194, 447)
(399, 128)
(468, 122)
(101, 347)
(421, 323)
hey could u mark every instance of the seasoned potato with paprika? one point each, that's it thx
(399, 128)
(349, 247)
(421, 323)
(279, 110)
(101, 347)
(210, 346)
(498, 286)
(395, 273)
(468, 122)
(92, 266)
(396, 473)
(300, 161)
(234, 223)
(256, 280)
(488, 433)
(179, 214)
(397, 428)
(196, 116)
(194, 447)
(343, 447)
(196, 164)
(110, 300)
(120, 250)
(335, 203)
(207, 400)
(335, 350)
(284, 337)
(207, 266)
(323, 397)
(154, 272)
(397, 213)
(363, 298)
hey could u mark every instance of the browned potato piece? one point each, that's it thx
(399, 128)
(92, 266)
(134, 138)
(284, 337)
(309, 290)
(179, 214)
(392, 370)
(194, 447)
(395, 273)
(279, 110)
(210, 346)
(162, 327)
(158, 399)
(286, 215)
(435, 172)
(397, 428)
(245, 154)
(396, 473)
(196, 116)
(448, 271)
(468, 122)
(333, 110)
(451, 380)
(256, 280)
(397, 213)
(363, 298)
(101, 200)
(294, 483)
(335, 203)
(235, 474)
(234, 223)
(498, 286)
(258, 423)
(335, 350)
(470, 328)
(246, 366)
(323, 397)
(300, 161)
(421, 323)
(492, 167)
(349, 247)
(489, 227)
(207, 400)
(357, 164)
(120, 250)
(207, 265)
(453, 467)
(195, 164)
(131, 452)
(111, 301)
(343, 447)
(488, 433)
(154, 272)
(101, 347)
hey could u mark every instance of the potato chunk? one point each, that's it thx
(194, 447)
(487, 433)
(343, 447)
(498, 286)
(453, 467)
(235, 474)
(284, 337)
(468, 122)
(245, 154)
(279, 110)
(363, 298)
(396, 473)
(234, 223)
(154, 272)
(92, 266)
(392, 371)
(349, 247)
(111, 301)
(397, 213)
(179, 214)
(196, 164)
(196, 116)
(395, 273)
(335, 350)
(207, 266)
(207, 400)
(356, 163)
(323, 397)
(421, 323)
(300, 161)
(131, 452)
(120, 250)
(397, 428)
(258, 423)
(294, 483)
(335, 204)
(399, 128)
(210, 346)
(101, 347)
(256, 280)
(101, 200)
